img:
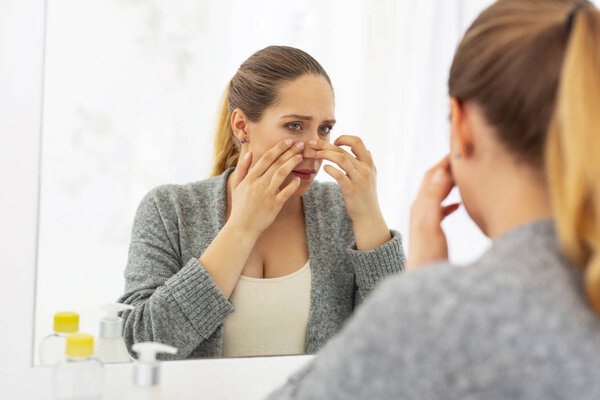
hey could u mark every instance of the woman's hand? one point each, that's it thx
(427, 239)
(256, 198)
(358, 181)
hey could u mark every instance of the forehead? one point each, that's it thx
(308, 95)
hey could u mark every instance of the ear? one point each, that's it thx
(461, 133)
(239, 124)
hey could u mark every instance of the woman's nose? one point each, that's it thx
(309, 152)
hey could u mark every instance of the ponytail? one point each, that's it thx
(573, 150)
(226, 149)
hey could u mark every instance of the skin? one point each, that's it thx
(499, 192)
(265, 219)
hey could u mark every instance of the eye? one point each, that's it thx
(294, 126)
(325, 129)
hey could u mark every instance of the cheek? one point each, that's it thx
(458, 174)
(467, 185)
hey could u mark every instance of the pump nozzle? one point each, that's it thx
(146, 372)
(111, 325)
(113, 309)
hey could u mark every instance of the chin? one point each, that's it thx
(301, 191)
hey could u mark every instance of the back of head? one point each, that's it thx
(253, 89)
(533, 67)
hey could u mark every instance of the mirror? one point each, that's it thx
(131, 91)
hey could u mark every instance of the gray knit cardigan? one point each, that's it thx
(177, 302)
(515, 324)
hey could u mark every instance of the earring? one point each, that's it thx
(244, 141)
(468, 150)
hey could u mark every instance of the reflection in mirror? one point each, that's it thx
(130, 103)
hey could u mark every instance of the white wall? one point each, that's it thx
(21, 50)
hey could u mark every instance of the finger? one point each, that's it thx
(438, 182)
(324, 145)
(295, 150)
(336, 174)
(288, 191)
(344, 161)
(449, 209)
(269, 157)
(444, 163)
(356, 145)
(281, 174)
(242, 167)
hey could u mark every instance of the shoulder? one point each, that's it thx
(174, 201)
(499, 289)
(180, 193)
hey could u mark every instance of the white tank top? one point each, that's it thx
(270, 317)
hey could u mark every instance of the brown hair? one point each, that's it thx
(253, 89)
(533, 66)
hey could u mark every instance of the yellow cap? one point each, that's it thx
(66, 322)
(80, 345)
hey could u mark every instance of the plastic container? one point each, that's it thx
(52, 347)
(110, 346)
(146, 371)
(80, 375)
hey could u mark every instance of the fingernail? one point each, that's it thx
(247, 155)
(300, 145)
(299, 156)
(318, 154)
(438, 176)
(312, 142)
(288, 141)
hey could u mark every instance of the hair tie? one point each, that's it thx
(571, 17)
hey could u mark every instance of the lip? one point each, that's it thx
(304, 174)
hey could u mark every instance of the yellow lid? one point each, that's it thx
(80, 345)
(66, 322)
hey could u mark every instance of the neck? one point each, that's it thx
(517, 197)
(291, 207)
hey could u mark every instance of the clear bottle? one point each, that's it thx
(110, 346)
(52, 347)
(80, 375)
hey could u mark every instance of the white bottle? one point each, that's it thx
(52, 347)
(146, 371)
(110, 346)
(80, 375)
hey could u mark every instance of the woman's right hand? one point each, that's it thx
(428, 242)
(257, 196)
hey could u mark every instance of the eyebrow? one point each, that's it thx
(307, 118)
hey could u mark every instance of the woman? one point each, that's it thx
(522, 321)
(259, 259)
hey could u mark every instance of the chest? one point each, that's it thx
(281, 250)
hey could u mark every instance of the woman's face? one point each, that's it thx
(304, 111)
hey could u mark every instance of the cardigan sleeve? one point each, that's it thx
(372, 266)
(175, 304)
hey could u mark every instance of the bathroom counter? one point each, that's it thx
(219, 379)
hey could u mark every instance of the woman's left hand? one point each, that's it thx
(358, 181)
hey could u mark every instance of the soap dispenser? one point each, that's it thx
(146, 371)
(110, 346)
